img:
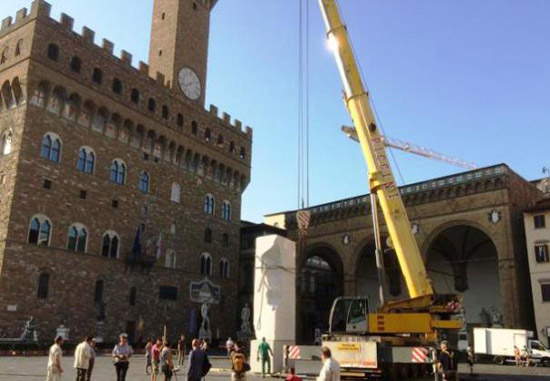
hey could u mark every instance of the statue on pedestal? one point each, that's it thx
(246, 330)
(205, 331)
(29, 331)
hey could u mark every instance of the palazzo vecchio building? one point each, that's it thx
(120, 194)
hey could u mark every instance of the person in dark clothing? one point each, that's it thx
(447, 362)
(198, 363)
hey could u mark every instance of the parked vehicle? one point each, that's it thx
(498, 344)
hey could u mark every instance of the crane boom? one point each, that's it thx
(380, 176)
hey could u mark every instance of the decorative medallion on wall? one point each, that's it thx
(495, 216)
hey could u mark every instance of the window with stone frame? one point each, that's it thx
(53, 52)
(133, 296)
(541, 253)
(51, 147)
(40, 228)
(134, 96)
(165, 112)
(539, 221)
(117, 86)
(179, 120)
(43, 288)
(86, 160)
(18, 48)
(144, 182)
(110, 245)
(224, 268)
(175, 193)
(152, 105)
(545, 291)
(76, 64)
(226, 210)
(97, 76)
(206, 264)
(209, 204)
(242, 153)
(77, 238)
(118, 172)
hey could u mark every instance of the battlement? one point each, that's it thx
(41, 9)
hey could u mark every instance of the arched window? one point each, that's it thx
(40, 230)
(232, 147)
(18, 48)
(134, 96)
(208, 235)
(110, 246)
(224, 268)
(226, 210)
(86, 160)
(97, 76)
(7, 139)
(98, 293)
(152, 105)
(165, 112)
(206, 264)
(144, 182)
(53, 52)
(194, 128)
(118, 172)
(77, 238)
(179, 120)
(51, 147)
(117, 86)
(43, 286)
(242, 153)
(175, 195)
(225, 240)
(4, 56)
(76, 64)
(170, 260)
(209, 204)
(207, 134)
(133, 296)
(220, 139)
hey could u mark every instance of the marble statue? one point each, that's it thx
(205, 332)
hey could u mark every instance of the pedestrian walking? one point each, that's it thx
(92, 360)
(166, 362)
(155, 357)
(121, 357)
(331, 368)
(447, 362)
(292, 376)
(471, 359)
(229, 344)
(517, 355)
(198, 363)
(239, 365)
(181, 350)
(264, 352)
(54, 360)
(82, 356)
(526, 355)
(148, 354)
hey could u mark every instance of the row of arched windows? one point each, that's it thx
(6, 52)
(11, 94)
(210, 207)
(158, 148)
(136, 98)
(206, 266)
(40, 231)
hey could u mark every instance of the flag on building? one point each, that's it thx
(136, 248)
(159, 246)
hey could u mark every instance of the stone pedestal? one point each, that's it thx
(274, 298)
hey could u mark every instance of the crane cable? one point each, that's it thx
(303, 105)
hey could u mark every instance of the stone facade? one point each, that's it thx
(478, 213)
(60, 83)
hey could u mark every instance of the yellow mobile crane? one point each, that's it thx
(399, 334)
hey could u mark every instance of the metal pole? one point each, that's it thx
(378, 249)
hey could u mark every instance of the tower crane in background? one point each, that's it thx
(414, 149)
(397, 338)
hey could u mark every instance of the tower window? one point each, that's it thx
(206, 264)
(86, 160)
(53, 52)
(135, 96)
(118, 172)
(51, 147)
(117, 86)
(97, 76)
(76, 64)
(43, 286)
(4, 57)
(78, 236)
(152, 105)
(39, 231)
(110, 245)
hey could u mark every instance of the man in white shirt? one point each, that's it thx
(54, 360)
(331, 369)
(82, 356)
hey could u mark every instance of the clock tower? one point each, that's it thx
(179, 44)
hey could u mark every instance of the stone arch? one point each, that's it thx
(462, 258)
(57, 101)
(149, 144)
(17, 91)
(171, 153)
(179, 160)
(126, 131)
(72, 107)
(320, 279)
(40, 94)
(87, 114)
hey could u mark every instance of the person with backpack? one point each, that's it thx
(198, 363)
(239, 366)
(166, 361)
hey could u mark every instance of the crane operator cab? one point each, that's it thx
(349, 315)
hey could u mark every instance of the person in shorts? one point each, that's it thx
(166, 361)
(148, 363)
(155, 358)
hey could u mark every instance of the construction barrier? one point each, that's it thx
(305, 359)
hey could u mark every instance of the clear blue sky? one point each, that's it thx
(468, 78)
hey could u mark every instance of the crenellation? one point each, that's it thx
(249, 131)
(126, 57)
(6, 23)
(226, 118)
(20, 15)
(41, 9)
(88, 35)
(160, 78)
(108, 46)
(144, 68)
(67, 22)
(238, 124)
(213, 110)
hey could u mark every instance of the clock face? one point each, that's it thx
(190, 83)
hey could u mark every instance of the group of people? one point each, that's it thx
(522, 357)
